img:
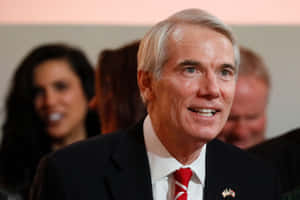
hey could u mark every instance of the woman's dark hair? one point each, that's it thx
(24, 140)
(120, 97)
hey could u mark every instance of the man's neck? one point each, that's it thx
(184, 152)
(184, 149)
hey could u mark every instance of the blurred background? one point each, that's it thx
(269, 27)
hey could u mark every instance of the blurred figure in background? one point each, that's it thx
(283, 153)
(117, 95)
(46, 109)
(246, 124)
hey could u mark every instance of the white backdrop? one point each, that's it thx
(145, 12)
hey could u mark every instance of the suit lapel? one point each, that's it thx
(218, 172)
(131, 179)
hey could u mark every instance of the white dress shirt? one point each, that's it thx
(162, 166)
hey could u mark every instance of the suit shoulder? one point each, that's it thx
(277, 144)
(91, 149)
(239, 159)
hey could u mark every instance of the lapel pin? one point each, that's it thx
(228, 192)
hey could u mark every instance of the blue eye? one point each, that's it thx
(190, 69)
(227, 74)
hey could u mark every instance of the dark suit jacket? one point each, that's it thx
(283, 153)
(115, 167)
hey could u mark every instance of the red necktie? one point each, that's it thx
(182, 178)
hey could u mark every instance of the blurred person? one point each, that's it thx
(246, 125)
(46, 109)
(282, 152)
(117, 94)
(187, 70)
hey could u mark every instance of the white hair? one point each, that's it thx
(152, 53)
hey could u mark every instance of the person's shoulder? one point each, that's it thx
(93, 149)
(240, 159)
(230, 150)
(98, 149)
(282, 153)
(277, 146)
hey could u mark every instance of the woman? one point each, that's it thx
(46, 109)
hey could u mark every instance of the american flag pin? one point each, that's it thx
(228, 192)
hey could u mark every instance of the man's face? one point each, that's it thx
(247, 121)
(193, 96)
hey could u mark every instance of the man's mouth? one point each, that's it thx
(206, 112)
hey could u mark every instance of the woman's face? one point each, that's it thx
(60, 101)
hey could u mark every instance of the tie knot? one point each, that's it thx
(183, 175)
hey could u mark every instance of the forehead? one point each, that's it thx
(251, 85)
(199, 41)
(250, 89)
(53, 65)
(53, 69)
(189, 32)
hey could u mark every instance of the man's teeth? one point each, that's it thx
(55, 116)
(204, 111)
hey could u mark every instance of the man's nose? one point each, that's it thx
(209, 86)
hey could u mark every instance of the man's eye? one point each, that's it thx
(253, 117)
(190, 69)
(227, 74)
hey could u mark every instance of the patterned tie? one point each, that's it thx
(182, 178)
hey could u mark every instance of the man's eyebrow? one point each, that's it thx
(189, 62)
(228, 65)
(197, 63)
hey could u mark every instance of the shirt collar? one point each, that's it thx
(162, 164)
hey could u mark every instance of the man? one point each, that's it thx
(187, 68)
(248, 117)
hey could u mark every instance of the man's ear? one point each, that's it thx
(145, 83)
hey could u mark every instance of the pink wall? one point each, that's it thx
(145, 12)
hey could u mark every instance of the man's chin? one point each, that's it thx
(204, 135)
(241, 145)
